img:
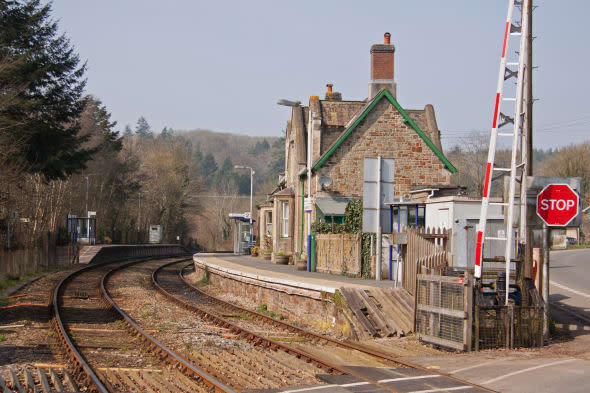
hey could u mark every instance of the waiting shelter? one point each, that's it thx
(82, 230)
(241, 233)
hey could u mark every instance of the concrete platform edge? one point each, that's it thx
(267, 281)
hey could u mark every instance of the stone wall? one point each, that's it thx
(383, 132)
(283, 244)
(313, 309)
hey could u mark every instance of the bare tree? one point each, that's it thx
(470, 157)
(571, 161)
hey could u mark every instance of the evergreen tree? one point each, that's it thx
(227, 166)
(208, 166)
(198, 154)
(102, 119)
(243, 183)
(128, 131)
(143, 129)
(277, 164)
(165, 134)
(45, 80)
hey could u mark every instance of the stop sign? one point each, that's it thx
(558, 204)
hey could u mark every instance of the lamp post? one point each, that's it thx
(284, 102)
(251, 189)
(86, 196)
(87, 215)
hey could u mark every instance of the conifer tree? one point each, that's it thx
(143, 129)
(42, 115)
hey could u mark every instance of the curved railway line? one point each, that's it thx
(171, 282)
(111, 329)
(108, 351)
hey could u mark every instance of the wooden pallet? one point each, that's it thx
(380, 312)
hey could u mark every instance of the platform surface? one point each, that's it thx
(265, 270)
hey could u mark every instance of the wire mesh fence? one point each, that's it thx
(509, 326)
(443, 310)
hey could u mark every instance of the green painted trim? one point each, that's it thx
(302, 215)
(407, 119)
(327, 155)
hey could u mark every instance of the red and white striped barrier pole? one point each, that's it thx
(492, 148)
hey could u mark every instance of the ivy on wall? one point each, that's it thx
(353, 223)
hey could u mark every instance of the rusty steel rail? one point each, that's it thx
(306, 333)
(264, 341)
(159, 348)
(255, 338)
(81, 367)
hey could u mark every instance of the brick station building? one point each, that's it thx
(344, 133)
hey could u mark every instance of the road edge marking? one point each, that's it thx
(558, 285)
(527, 370)
(475, 366)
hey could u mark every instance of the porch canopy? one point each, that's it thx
(406, 213)
(332, 209)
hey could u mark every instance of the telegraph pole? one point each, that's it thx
(528, 131)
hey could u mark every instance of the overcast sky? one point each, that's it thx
(222, 65)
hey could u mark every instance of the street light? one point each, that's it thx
(87, 215)
(251, 188)
(86, 196)
(295, 104)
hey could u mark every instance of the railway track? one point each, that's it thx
(170, 281)
(107, 350)
(237, 363)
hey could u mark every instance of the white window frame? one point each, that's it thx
(285, 219)
(268, 221)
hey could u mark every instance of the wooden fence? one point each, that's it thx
(339, 253)
(423, 251)
(45, 256)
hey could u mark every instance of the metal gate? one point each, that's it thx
(444, 310)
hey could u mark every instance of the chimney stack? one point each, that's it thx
(332, 95)
(382, 67)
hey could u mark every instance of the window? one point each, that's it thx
(335, 219)
(285, 228)
(269, 223)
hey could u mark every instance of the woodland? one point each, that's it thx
(62, 154)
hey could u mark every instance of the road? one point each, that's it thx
(562, 366)
(570, 280)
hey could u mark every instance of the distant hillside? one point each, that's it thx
(217, 153)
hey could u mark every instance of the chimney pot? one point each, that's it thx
(382, 67)
(387, 38)
(329, 86)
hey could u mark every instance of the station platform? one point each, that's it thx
(264, 270)
(370, 307)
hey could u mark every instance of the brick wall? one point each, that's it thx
(384, 133)
(382, 65)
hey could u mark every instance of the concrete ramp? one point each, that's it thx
(380, 311)
(87, 253)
